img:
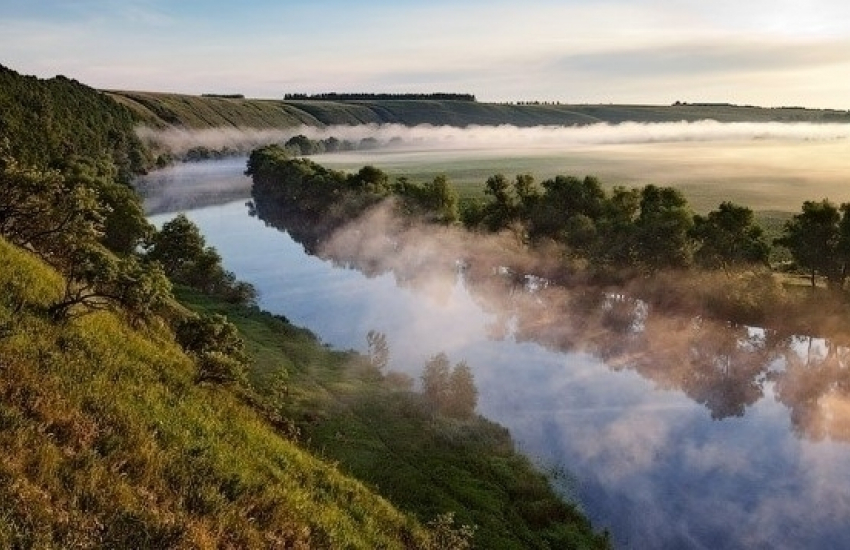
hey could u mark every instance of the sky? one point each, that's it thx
(758, 52)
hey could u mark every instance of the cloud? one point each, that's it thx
(691, 59)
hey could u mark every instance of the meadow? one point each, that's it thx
(769, 177)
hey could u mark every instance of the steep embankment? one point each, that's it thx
(109, 441)
(197, 112)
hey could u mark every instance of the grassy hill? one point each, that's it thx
(108, 441)
(198, 112)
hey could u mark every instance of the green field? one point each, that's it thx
(198, 112)
(765, 176)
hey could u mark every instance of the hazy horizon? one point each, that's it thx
(628, 52)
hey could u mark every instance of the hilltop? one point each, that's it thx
(161, 110)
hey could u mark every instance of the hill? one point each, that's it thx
(109, 441)
(198, 112)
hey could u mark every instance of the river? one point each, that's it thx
(674, 435)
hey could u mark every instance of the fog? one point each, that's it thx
(519, 139)
(681, 432)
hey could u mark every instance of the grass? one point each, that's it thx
(161, 109)
(767, 177)
(109, 442)
(383, 434)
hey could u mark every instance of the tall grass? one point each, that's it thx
(108, 441)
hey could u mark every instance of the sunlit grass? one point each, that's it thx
(108, 440)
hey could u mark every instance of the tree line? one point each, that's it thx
(335, 96)
(617, 236)
(316, 200)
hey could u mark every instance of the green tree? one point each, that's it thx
(442, 199)
(462, 395)
(435, 381)
(370, 179)
(502, 209)
(729, 237)
(565, 198)
(616, 228)
(95, 278)
(43, 211)
(662, 228)
(814, 239)
(215, 344)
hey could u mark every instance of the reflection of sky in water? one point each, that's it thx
(649, 463)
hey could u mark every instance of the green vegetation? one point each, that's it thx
(646, 239)
(45, 122)
(316, 200)
(425, 459)
(334, 96)
(110, 441)
(197, 112)
(129, 421)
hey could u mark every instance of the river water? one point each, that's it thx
(674, 434)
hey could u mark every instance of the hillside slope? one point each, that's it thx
(109, 441)
(198, 112)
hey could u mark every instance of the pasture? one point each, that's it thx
(768, 176)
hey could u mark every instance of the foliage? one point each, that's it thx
(729, 237)
(449, 391)
(109, 444)
(216, 345)
(69, 218)
(383, 433)
(186, 259)
(819, 240)
(379, 350)
(447, 536)
(48, 121)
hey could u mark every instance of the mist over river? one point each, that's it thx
(675, 435)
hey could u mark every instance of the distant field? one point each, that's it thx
(774, 176)
(199, 112)
(768, 175)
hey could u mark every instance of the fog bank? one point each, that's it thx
(177, 140)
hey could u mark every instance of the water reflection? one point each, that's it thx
(681, 432)
(671, 476)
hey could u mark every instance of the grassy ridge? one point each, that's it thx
(109, 442)
(197, 112)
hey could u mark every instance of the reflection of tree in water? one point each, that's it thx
(723, 366)
(815, 386)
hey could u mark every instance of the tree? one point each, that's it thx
(813, 237)
(662, 228)
(565, 198)
(729, 237)
(215, 344)
(462, 394)
(42, 211)
(96, 278)
(442, 199)
(435, 380)
(616, 228)
(177, 246)
(501, 211)
(451, 392)
(371, 179)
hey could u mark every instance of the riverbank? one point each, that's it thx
(377, 429)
